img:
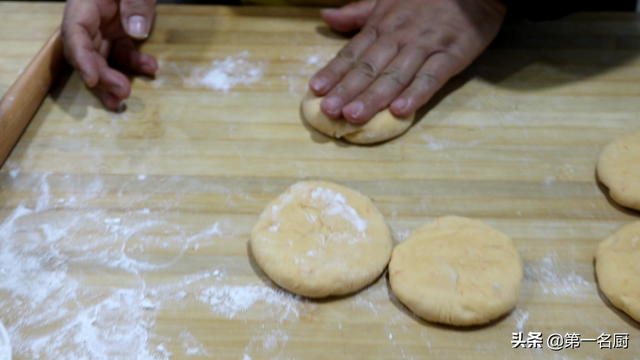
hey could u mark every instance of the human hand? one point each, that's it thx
(95, 31)
(405, 51)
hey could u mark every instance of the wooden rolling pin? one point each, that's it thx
(23, 98)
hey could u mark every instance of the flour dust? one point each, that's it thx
(54, 250)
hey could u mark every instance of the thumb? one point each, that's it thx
(137, 17)
(349, 17)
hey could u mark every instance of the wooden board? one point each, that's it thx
(125, 235)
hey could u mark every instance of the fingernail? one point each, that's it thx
(121, 107)
(332, 104)
(318, 84)
(147, 68)
(399, 104)
(137, 26)
(355, 109)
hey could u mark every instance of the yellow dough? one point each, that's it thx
(319, 239)
(383, 126)
(457, 271)
(618, 269)
(619, 170)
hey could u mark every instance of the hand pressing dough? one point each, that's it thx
(619, 170)
(319, 239)
(383, 126)
(618, 269)
(456, 271)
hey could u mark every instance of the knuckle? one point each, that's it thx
(456, 53)
(447, 40)
(424, 48)
(395, 75)
(366, 68)
(427, 79)
(436, 41)
(347, 55)
(371, 32)
(389, 42)
(427, 32)
(394, 23)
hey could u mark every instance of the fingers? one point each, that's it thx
(128, 57)
(435, 72)
(80, 23)
(393, 79)
(112, 87)
(87, 46)
(362, 74)
(110, 101)
(137, 17)
(350, 17)
(115, 83)
(79, 53)
(331, 74)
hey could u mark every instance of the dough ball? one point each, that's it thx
(319, 239)
(619, 170)
(618, 269)
(383, 126)
(457, 271)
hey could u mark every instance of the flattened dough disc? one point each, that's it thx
(383, 126)
(618, 269)
(457, 271)
(319, 239)
(619, 170)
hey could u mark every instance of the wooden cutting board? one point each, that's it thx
(125, 235)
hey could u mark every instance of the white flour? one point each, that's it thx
(222, 75)
(372, 300)
(400, 234)
(554, 281)
(192, 346)
(442, 144)
(329, 205)
(521, 317)
(226, 74)
(53, 311)
(231, 300)
(267, 344)
(335, 204)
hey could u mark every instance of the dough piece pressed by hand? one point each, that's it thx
(383, 126)
(619, 170)
(319, 239)
(457, 271)
(618, 269)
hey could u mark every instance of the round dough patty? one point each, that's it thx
(618, 269)
(619, 170)
(457, 271)
(383, 126)
(319, 239)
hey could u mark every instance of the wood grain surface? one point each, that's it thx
(125, 235)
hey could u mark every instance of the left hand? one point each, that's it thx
(95, 31)
(406, 51)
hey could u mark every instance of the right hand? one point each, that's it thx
(95, 31)
(406, 50)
